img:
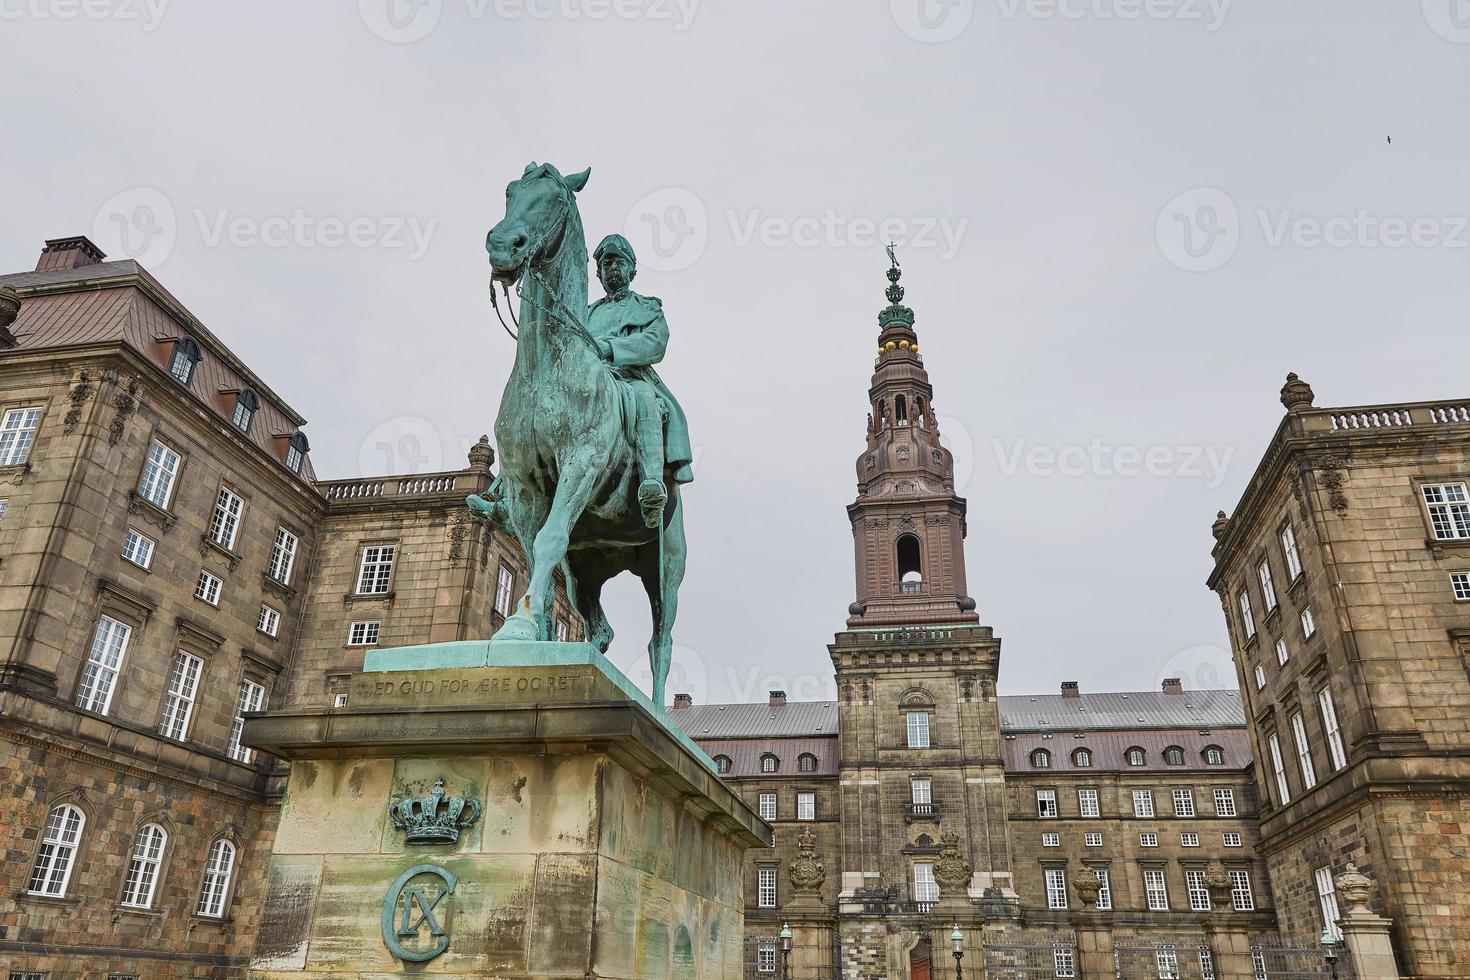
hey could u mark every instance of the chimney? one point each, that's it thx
(1173, 685)
(778, 698)
(1070, 690)
(683, 700)
(68, 253)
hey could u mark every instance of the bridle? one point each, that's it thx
(528, 271)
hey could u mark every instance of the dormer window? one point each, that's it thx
(769, 763)
(1214, 756)
(1041, 759)
(1174, 755)
(806, 763)
(247, 403)
(186, 355)
(722, 764)
(1135, 757)
(1082, 759)
(296, 451)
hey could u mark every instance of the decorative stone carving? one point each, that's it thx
(806, 872)
(433, 819)
(1217, 883)
(458, 530)
(1221, 525)
(414, 926)
(1087, 887)
(1355, 888)
(902, 452)
(1330, 467)
(951, 870)
(126, 403)
(79, 394)
(1296, 394)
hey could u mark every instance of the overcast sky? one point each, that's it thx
(1123, 222)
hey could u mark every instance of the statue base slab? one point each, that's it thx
(607, 847)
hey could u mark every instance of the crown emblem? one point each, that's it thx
(435, 818)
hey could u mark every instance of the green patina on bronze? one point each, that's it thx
(593, 446)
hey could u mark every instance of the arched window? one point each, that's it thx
(900, 411)
(806, 763)
(1082, 758)
(58, 851)
(296, 451)
(1214, 755)
(769, 763)
(883, 419)
(144, 866)
(247, 403)
(1041, 759)
(919, 412)
(1135, 756)
(186, 355)
(722, 764)
(1174, 756)
(910, 564)
(216, 888)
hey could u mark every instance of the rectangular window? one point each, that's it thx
(104, 660)
(765, 888)
(1309, 624)
(1063, 960)
(505, 583)
(1051, 840)
(921, 790)
(767, 806)
(806, 806)
(376, 571)
(1231, 839)
(1459, 583)
(1327, 901)
(1187, 839)
(207, 588)
(1046, 803)
(1449, 509)
(1105, 893)
(1281, 655)
(563, 630)
(1056, 888)
(225, 525)
(765, 958)
(17, 430)
(178, 703)
(918, 729)
(269, 622)
(1289, 552)
(1199, 895)
(252, 696)
(1092, 839)
(283, 556)
(1241, 896)
(339, 701)
(1247, 618)
(1303, 751)
(1156, 890)
(1148, 840)
(1225, 802)
(138, 549)
(1334, 734)
(363, 633)
(1278, 767)
(1143, 803)
(157, 483)
(1087, 803)
(926, 889)
(1260, 678)
(216, 885)
(1183, 803)
(1268, 588)
(4, 505)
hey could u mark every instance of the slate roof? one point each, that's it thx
(745, 754)
(1109, 748)
(1131, 710)
(759, 720)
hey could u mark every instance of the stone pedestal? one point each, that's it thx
(593, 839)
(1366, 936)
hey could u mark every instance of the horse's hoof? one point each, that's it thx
(517, 627)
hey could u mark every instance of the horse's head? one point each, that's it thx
(536, 211)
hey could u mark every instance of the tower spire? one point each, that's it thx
(895, 321)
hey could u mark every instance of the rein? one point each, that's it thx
(571, 319)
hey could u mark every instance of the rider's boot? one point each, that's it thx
(652, 497)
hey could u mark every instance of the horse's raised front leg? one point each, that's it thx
(574, 490)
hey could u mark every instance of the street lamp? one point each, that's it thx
(1329, 950)
(786, 951)
(957, 939)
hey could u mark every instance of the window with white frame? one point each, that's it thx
(1143, 803)
(4, 506)
(1199, 895)
(1247, 617)
(1449, 510)
(1040, 759)
(1082, 758)
(1303, 751)
(1187, 839)
(1278, 768)
(1184, 803)
(58, 851)
(1268, 588)
(505, 583)
(207, 588)
(247, 403)
(183, 688)
(766, 806)
(1056, 888)
(1105, 893)
(765, 958)
(283, 556)
(364, 633)
(185, 356)
(926, 889)
(1166, 962)
(28, 975)
(1281, 655)
(1092, 839)
(1214, 756)
(143, 866)
(1260, 674)
(806, 806)
(156, 485)
(104, 661)
(1327, 901)
(918, 729)
(1289, 552)
(296, 452)
(1459, 584)
(1258, 965)
(1309, 624)
(1224, 802)
(921, 790)
(1051, 840)
(1147, 839)
(217, 872)
(1063, 960)
(1242, 899)
(562, 630)
(224, 526)
(269, 622)
(17, 432)
(252, 696)
(1174, 756)
(339, 701)
(1156, 890)
(1206, 964)
(769, 763)
(1136, 757)
(765, 888)
(1087, 803)
(138, 548)
(376, 571)
(1334, 734)
(1046, 803)
(1230, 839)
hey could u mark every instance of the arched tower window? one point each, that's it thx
(910, 564)
(900, 410)
(919, 412)
(883, 414)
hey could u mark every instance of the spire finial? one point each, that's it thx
(894, 313)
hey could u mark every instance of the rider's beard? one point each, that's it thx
(614, 283)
